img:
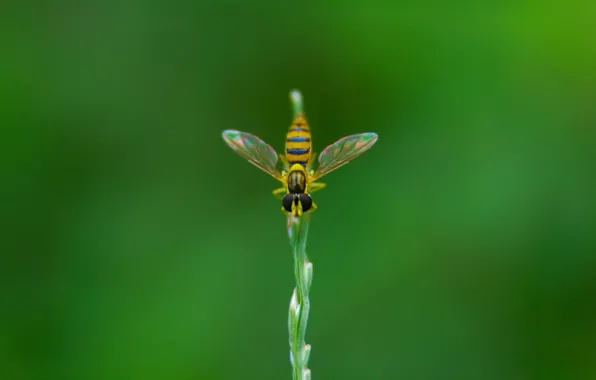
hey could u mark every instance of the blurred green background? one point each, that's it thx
(136, 245)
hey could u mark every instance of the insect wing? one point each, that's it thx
(343, 151)
(255, 150)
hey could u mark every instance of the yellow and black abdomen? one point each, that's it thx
(298, 142)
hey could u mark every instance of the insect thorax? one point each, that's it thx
(296, 182)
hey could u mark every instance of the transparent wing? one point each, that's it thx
(343, 151)
(255, 150)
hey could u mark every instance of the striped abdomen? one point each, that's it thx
(298, 142)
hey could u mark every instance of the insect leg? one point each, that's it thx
(317, 186)
(313, 208)
(279, 193)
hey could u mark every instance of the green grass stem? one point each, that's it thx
(300, 302)
(296, 100)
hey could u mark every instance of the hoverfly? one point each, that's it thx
(297, 176)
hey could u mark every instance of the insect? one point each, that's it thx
(297, 175)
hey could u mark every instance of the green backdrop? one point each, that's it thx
(136, 245)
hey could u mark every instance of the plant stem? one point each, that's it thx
(300, 303)
(296, 100)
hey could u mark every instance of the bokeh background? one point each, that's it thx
(136, 245)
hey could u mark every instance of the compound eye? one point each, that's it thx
(306, 202)
(287, 202)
